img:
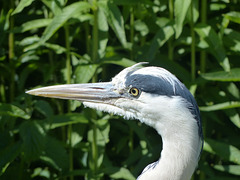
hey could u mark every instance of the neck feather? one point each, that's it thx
(180, 152)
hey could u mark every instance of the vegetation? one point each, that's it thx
(49, 42)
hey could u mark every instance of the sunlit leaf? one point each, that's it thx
(29, 40)
(221, 106)
(223, 150)
(233, 90)
(132, 2)
(196, 12)
(61, 18)
(233, 16)
(84, 73)
(120, 61)
(233, 75)
(115, 20)
(99, 135)
(41, 172)
(102, 33)
(57, 48)
(34, 24)
(141, 27)
(119, 173)
(22, 4)
(208, 34)
(231, 169)
(231, 40)
(233, 116)
(11, 110)
(55, 6)
(180, 11)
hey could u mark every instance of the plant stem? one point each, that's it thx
(95, 33)
(94, 116)
(68, 74)
(87, 36)
(11, 55)
(131, 32)
(170, 41)
(94, 149)
(193, 50)
(203, 54)
(2, 91)
(170, 6)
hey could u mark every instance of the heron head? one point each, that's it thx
(144, 93)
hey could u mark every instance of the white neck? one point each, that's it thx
(178, 160)
(181, 148)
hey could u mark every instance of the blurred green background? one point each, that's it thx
(47, 42)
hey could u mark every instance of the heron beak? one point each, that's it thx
(92, 92)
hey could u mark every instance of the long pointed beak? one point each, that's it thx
(92, 92)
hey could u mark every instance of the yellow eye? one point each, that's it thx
(134, 92)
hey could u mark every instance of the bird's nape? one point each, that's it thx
(155, 97)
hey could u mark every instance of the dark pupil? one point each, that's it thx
(134, 91)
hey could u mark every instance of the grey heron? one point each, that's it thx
(155, 97)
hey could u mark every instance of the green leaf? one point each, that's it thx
(115, 20)
(231, 169)
(55, 154)
(40, 172)
(8, 154)
(63, 17)
(26, 71)
(120, 61)
(11, 110)
(84, 73)
(44, 108)
(132, 2)
(141, 27)
(208, 34)
(119, 173)
(34, 24)
(100, 136)
(221, 106)
(233, 16)
(56, 48)
(22, 4)
(233, 90)
(233, 116)
(102, 132)
(102, 32)
(223, 150)
(161, 37)
(180, 10)
(55, 6)
(63, 120)
(195, 12)
(232, 40)
(233, 75)
(34, 140)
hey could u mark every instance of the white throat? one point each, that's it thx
(181, 144)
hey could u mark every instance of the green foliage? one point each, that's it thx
(58, 41)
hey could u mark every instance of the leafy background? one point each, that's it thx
(48, 42)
